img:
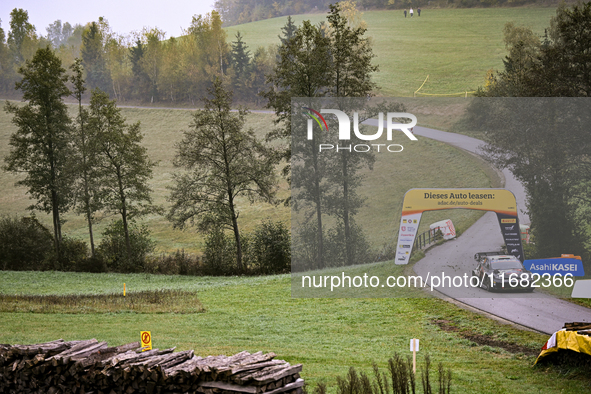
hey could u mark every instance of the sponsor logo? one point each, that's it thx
(409, 228)
(509, 227)
(401, 258)
(508, 220)
(404, 246)
(403, 228)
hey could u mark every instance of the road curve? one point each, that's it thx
(536, 310)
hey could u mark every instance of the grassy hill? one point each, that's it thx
(392, 176)
(455, 47)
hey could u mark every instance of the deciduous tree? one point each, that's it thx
(41, 145)
(124, 164)
(85, 156)
(223, 162)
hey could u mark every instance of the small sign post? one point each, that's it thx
(146, 340)
(414, 348)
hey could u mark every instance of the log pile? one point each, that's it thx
(93, 367)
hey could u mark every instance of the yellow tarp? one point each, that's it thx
(567, 340)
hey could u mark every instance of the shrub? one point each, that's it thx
(270, 249)
(113, 250)
(24, 243)
(335, 248)
(178, 263)
(220, 254)
(94, 264)
(73, 253)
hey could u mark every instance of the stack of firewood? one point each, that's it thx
(94, 367)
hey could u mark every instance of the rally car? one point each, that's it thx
(497, 271)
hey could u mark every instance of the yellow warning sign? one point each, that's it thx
(146, 340)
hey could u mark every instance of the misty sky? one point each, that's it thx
(124, 16)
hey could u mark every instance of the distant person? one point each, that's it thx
(419, 11)
(411, 12)
(405, 13)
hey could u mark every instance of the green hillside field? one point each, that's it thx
(392, 176)
(454, 47)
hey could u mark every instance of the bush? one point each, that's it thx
(335, 248)
(73, 252)
(220, 254)
(113, 250)
(178, 263)
(94, 264)
(24, 243)
(266, 251)
(270, 249)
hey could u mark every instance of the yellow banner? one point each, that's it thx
(497, 200)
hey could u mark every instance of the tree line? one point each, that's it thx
(143, 66)
(236, 12)
(549, 153)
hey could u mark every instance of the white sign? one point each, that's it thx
(407, 232)
(414, 345)
(582, 289)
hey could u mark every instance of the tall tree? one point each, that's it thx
(59, 34)
(351, 77)
(93, 58)
(41, 145)
(340, 66)
(303, 70)
(151, 61)
(552, 164)
(85, 156)
(211, 41)
(223, 162)
(141, 81)
(124, 165)
(241, 65)
(6, 63)
(21, 30)
(287, 31)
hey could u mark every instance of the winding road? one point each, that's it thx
(536, 310)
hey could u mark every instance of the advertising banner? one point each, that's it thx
(500, 201)
(559, 265)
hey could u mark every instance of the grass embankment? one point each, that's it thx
(455, 47)
(326, 335)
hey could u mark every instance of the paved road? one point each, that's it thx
(535, 310)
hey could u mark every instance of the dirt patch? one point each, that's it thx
(484, 340)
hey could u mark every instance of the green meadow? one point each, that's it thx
(454, 47)
(326, 335)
